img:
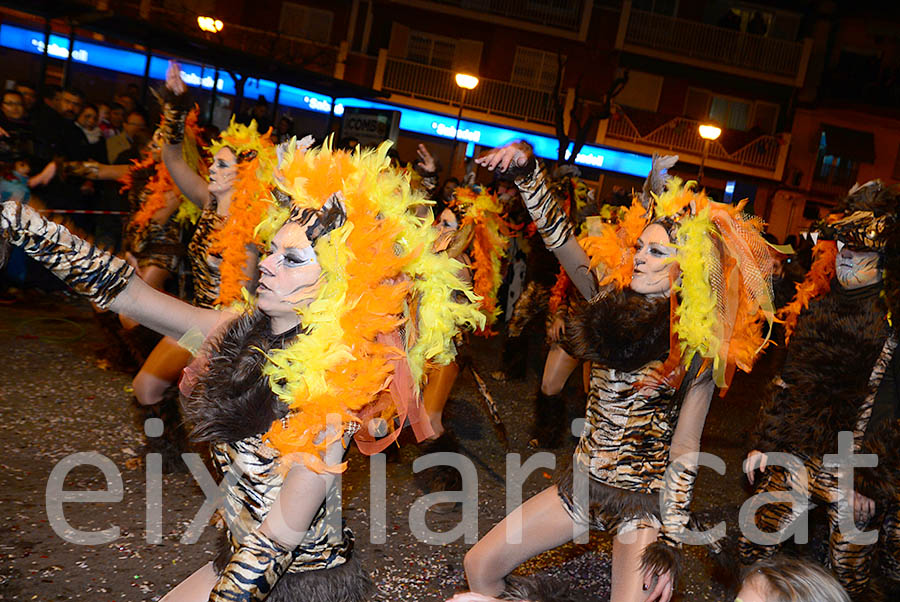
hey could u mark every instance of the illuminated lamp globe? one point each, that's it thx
(464, 80)
(709, 131)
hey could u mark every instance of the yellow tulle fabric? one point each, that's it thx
(723, 281)
(490, 241)
(250, 204)
(380, 278)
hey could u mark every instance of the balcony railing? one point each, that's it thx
(284, 48)
(714, 45)
(563, 15)
(491, 96)
(680, 134)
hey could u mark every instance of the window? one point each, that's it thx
(535, 68)
(429, 49)
(305, 22)
(660, 7)
(731, 113)
(834, 170)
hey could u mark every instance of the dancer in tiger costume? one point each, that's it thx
(839, 375)
(656, 330)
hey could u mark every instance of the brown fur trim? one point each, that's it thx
(882, 482)
(620, 329)
(605, 500)
(829, 361)
(233, 399)
(659, 558)
(537, 588)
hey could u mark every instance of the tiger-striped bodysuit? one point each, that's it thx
(204, 267)
(155, 244)
(835, 365)
(248, 498)
(624, 446)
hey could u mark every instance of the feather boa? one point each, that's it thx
(489, 243)
(380, 278)
(249, 204)
(816, 283)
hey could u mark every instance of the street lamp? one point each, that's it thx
(708, 132)
(209, 24)
(465, 82)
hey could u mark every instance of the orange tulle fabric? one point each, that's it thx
(816, 283)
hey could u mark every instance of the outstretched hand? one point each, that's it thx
(756, 460)
(517, 155)
(173, 79)
(429, 165)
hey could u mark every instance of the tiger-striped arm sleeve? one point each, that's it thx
(681, 474)
(90, 271)
(556, 230)
(548, 216)
(253, 570)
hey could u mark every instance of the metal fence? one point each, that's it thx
(491, 96)
(563, 14)
(714, 44)
(680, 134)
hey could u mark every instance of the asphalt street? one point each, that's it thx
(64, 392)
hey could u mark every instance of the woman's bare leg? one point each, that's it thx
(557, 368)
(195, 588)
(538, 525)
(437, 391)
(627, 579)
(156, 277)
(162, 368)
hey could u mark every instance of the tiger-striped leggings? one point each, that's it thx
(849, 562)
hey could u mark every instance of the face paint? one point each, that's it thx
(289, 276)
(652, 262)
(222, 171)
(856, 269)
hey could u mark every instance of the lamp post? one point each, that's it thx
(465, 82)
(708, 132)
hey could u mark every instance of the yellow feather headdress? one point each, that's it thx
(724, 285)
(250, 204)
(384, 309)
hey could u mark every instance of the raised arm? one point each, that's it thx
(106, 280)
(175, 109)
(517, 159)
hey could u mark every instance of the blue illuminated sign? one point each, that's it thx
(444, 126)
(411, 120)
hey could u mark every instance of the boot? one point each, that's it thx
(443, 478)
(173, 440)
(549, 420)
